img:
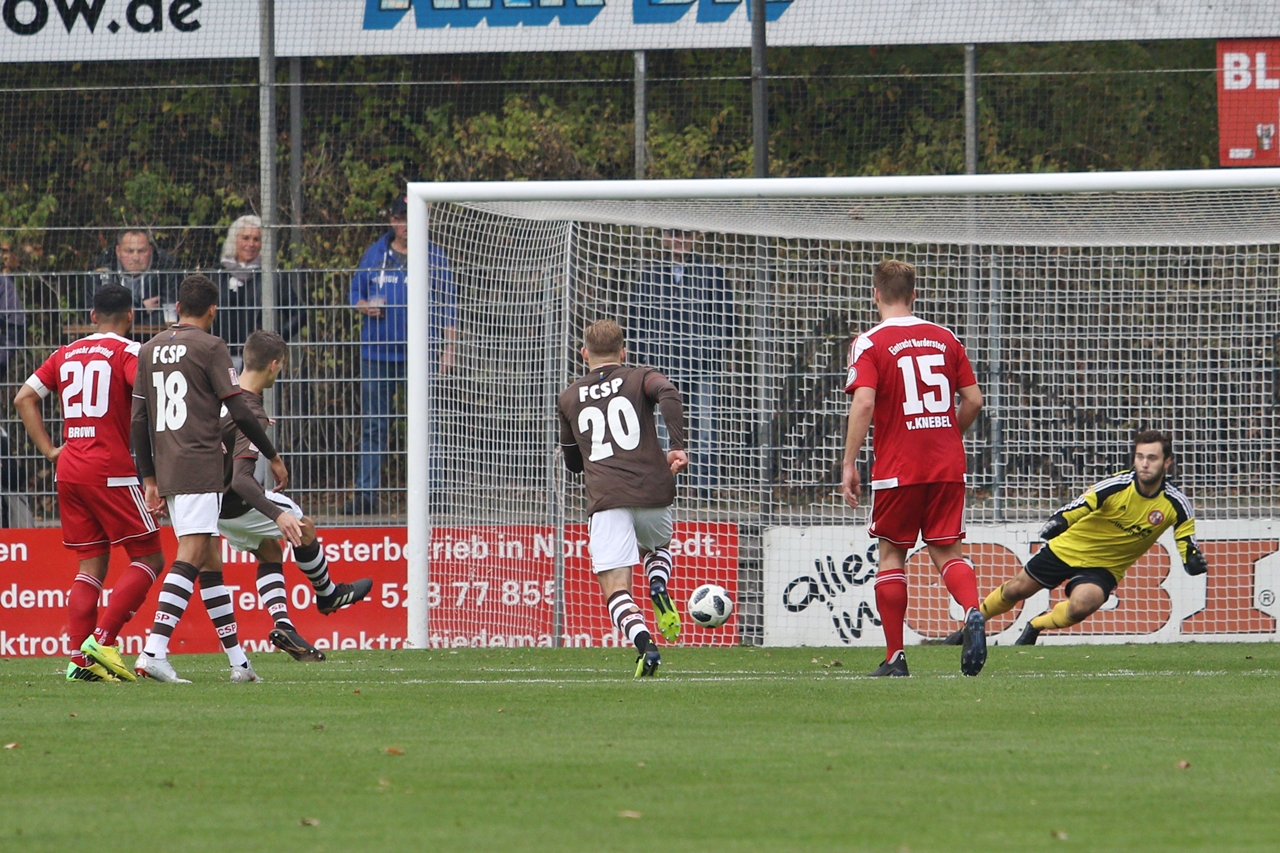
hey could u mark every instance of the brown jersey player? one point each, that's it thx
(254, 518)
(607, 433)
(184, 378)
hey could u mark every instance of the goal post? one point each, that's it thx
(533, 260)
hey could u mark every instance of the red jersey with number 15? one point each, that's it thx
(94, 380)
(915, 367)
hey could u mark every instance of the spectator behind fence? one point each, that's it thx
(13, 334)
(145, 270)
(13, 319)
(379, 291)
(680, 320)
(240, 289)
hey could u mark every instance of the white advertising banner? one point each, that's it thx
(819, 590)
(82, 30)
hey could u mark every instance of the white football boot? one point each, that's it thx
(244, 674)
(158, 668)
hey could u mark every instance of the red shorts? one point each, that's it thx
(96, 517)
(933, 511)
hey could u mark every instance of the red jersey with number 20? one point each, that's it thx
(915, 367)
(94, 379)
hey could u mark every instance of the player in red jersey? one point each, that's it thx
(905, 373)
(98, 489)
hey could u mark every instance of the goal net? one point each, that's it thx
(1092, 306)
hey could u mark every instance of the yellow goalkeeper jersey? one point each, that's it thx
(1113, 524)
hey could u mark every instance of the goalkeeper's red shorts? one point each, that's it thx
(932, 511)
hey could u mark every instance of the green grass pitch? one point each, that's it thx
(1115, 748)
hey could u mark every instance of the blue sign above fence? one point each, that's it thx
(435, 14)
(85, 30)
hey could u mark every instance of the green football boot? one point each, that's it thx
(92, 672)
(647, 664)
(108, 657)
(666, 613)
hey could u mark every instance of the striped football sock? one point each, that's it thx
(175, 594)
(629, 619)
(222, 612)
(313, 564)
(271, 590)
(657, 568)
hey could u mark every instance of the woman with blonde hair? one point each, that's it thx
(240, 288)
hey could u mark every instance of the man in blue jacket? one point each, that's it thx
(379, 291)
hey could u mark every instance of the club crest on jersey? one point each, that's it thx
(853, 374)
(1155, 518)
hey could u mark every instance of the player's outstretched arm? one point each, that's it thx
(1193, 560)
(1055, 526)
(861, 409)
(28, 405)
(1073, 512)
(970, 404)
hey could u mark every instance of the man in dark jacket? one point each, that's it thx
(142, 268)
(680, 320)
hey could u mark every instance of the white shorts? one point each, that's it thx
(616, 536)
(195, 513)
(246, 532)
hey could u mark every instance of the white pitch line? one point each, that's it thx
(590, 678)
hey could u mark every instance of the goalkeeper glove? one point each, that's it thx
(1195, 563)
(1054, 526)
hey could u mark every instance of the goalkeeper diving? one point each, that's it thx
(1091, 542)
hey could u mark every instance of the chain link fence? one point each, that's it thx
(90, 149)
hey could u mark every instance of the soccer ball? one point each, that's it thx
(710, 605)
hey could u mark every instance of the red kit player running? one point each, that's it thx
(905, 373)
(98, 489)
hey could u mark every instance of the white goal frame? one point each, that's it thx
(421, 195)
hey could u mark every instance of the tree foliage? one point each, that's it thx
(89, 148)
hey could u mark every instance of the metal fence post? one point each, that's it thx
(267, 175)
(759, 90)
(267, 156)
(995, 396)
(295, 151)
(971, 109)
(642, 112)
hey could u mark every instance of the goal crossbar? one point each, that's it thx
(1186, 180)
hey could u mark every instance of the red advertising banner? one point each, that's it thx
(1249, 102)
(490, 586)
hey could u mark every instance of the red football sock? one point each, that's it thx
(961, 583)
(891, 601)
(82, 613)
(126, 597)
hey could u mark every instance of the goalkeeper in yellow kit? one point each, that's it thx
(1092, 542)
